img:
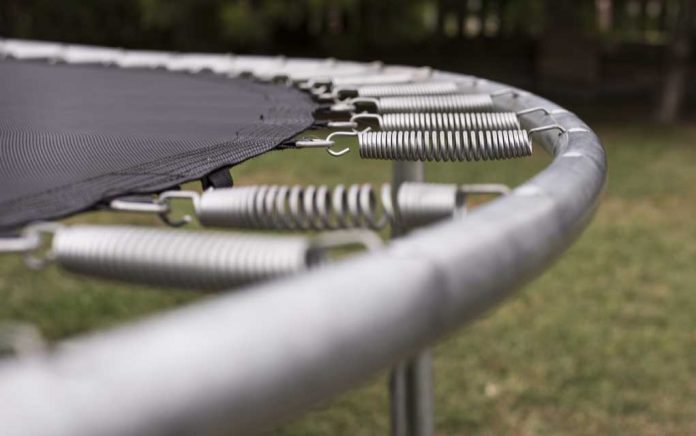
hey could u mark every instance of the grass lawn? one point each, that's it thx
(604, 342)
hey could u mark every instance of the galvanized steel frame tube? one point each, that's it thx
(249, 360)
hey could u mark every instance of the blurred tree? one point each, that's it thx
(674, 83)
(568, 48)
(560, 37)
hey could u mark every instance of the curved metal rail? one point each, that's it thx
(246, 361)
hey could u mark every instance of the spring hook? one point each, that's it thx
(561, 130)
(138, 205)
(29, 242)
(166, 199)
(24, 243)
(546, 111)
(160, 205)
(329, 142)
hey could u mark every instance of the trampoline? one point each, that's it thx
(93, 127)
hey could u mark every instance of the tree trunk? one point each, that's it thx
(441, 12)
(674, 85)
(462, 13)
(568, 53)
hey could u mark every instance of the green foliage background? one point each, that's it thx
(240, 25)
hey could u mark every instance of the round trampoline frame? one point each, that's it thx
(249, 360)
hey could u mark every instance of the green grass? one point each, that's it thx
(604, 342)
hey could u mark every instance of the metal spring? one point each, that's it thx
(323, 208)
(427, 88)
(291, 207)
(200, 260)
(311, 80)
(368, 79)
(445, 121)
(444, 146)
(434, 103)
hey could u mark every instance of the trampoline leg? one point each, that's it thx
(411, 397)
(419, 392)
(411, 382)
(398, 400)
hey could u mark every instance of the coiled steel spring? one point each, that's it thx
(283, 207)
(429, 103)
(426, 88)
(444, 146)
(371, 79)
(444, 121)
(201, 260)
(389, 76)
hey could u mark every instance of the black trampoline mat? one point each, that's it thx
(74, 136)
